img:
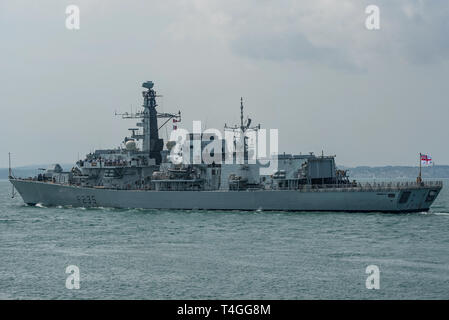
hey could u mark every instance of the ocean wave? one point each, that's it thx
(436, 213)
(441, 213)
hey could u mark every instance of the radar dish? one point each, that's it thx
(148, 84)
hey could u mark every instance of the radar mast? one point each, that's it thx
(151, 143)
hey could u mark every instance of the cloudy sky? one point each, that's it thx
(308, 68)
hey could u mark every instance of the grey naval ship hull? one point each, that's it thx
(413, 199)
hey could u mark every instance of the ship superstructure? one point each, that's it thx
(143, 174)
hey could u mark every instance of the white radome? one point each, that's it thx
(130, 145)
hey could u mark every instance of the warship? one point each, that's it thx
(146, 173)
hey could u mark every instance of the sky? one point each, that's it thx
(309, 68)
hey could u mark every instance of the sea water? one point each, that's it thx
(169, 254)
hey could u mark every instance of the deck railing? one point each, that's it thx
(349, 187)
(371, 186)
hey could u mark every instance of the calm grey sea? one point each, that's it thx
(154, 254)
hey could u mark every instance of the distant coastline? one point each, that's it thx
(385, 172)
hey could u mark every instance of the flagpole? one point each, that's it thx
(419, 180)
(9, 168)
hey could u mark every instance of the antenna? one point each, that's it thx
(10, 170)
(241, 112)
(240, 131)
(13, 194)
(242, 127)
(419, 178)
